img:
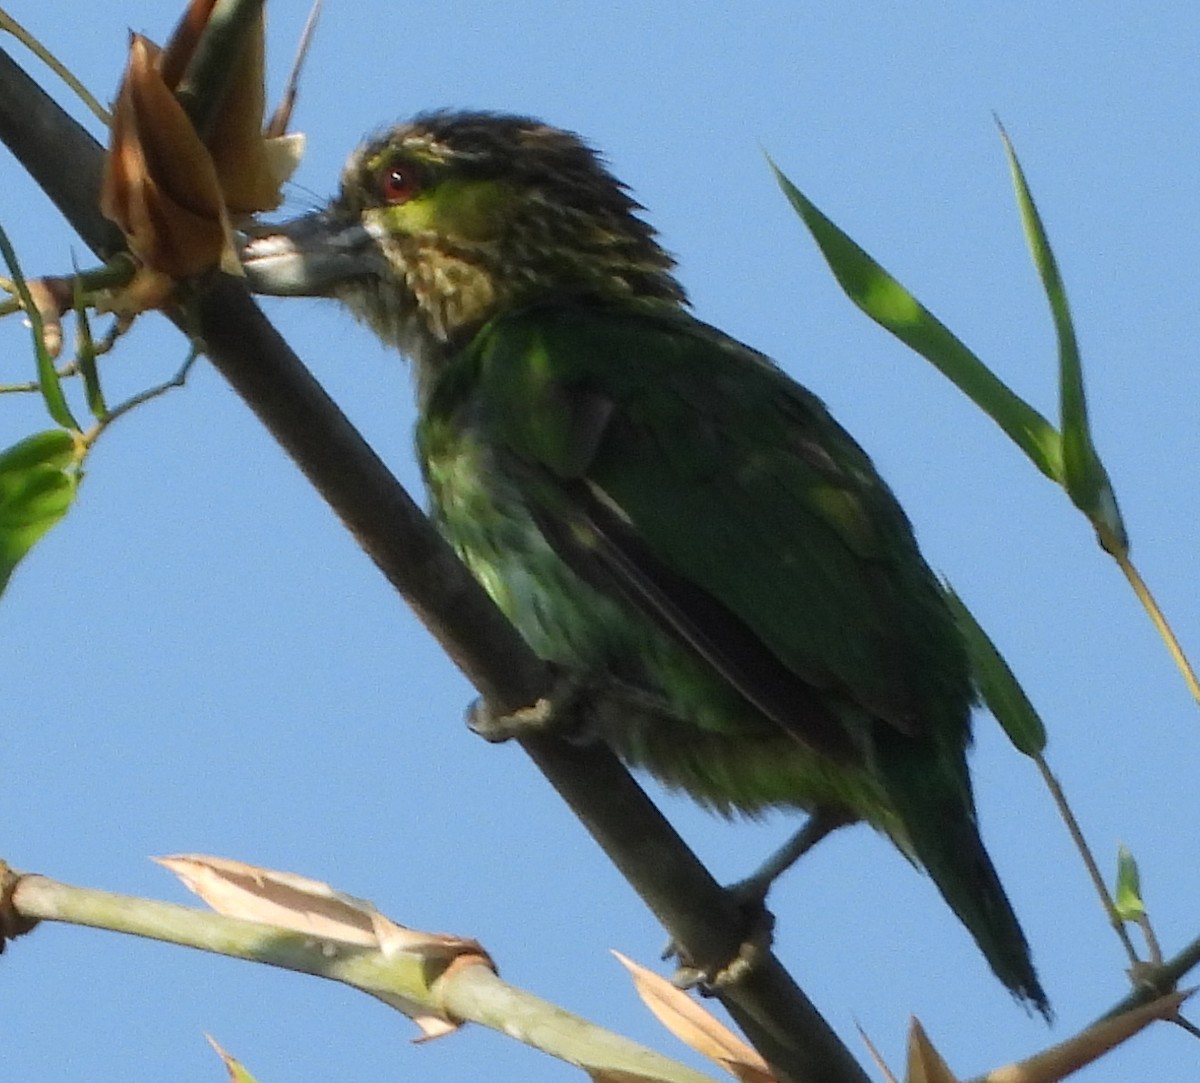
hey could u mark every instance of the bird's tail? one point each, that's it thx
(939, 820)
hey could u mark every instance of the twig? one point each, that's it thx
(1160, 622)
(1089, 861)
(134, 401)
(7, 22)
(1155, 981)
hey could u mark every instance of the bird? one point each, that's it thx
(653, 504)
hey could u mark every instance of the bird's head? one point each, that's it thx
(452, 218)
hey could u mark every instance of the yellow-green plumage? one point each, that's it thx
(653, 502)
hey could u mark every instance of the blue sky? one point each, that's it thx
(199, 658)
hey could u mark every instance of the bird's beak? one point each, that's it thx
(309, 256)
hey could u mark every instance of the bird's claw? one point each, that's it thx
(755, 947)
(711, 982)
(580, 707)
(562, 712)
(496, 726)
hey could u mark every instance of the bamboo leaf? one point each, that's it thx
(925, 1063)
(697, 1027)
(1084, 476)
(52, 392)
(38, 479)
(997, 684)
(85, 355)
(890, 305)
(1128, 897)
(237, 1073)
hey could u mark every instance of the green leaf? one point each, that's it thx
(1084, 476)
(86, 355)
(38, 480)
(890, 305)
(1128, 900)
(997, 684)
(55, 447)
(52, 391)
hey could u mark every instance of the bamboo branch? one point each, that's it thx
(419, 983)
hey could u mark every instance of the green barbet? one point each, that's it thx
(653, 503)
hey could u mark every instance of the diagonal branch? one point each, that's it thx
(768, 1005)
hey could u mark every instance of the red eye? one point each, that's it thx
(398, 182)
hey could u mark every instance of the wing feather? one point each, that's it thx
(723, 500)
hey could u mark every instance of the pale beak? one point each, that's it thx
(309, 256)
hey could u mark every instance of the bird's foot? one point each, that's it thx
(750, 898)
(821, 822)
(562, 711)
(751, 894)
(755, 946)
(493, 725)
(580, 708)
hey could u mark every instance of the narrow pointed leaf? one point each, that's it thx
(38, 480)
(695, 1026)
(1067, 1058)
(1128, 900)
(52, 392)
(237, 1073)
(925, 1063)
(281, 119)
(997, 684)
(85, 355)
(888, 1075)
(1084, 476)
(890, 305)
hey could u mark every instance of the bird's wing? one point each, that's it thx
(683, 470)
